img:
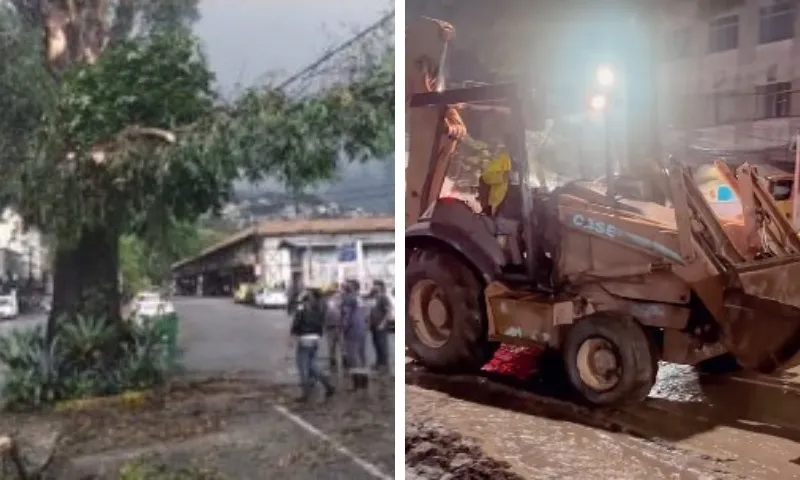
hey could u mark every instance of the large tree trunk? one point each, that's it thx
(86, 278)
(85, 272)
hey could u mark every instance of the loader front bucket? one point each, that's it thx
(761, 328)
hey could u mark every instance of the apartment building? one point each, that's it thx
(730, 80)
(22, 253)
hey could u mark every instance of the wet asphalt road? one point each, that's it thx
(218, 337)
(23, 321)
(692, 426)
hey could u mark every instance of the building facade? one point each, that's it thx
(302, 252)
(730, 78)
(319, 259)
(22, 253)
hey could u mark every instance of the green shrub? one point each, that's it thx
(86, 357)
(140, 470)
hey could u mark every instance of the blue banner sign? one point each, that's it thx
(347, 253)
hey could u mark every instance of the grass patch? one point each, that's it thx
(142, 470)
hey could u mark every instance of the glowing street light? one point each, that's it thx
(598, 103)
(605, 77)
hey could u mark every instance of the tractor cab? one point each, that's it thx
(479, 170)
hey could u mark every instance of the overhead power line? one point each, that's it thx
(334, 51)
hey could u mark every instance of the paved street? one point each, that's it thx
(24, 321)
(220, 336)
(350, 437)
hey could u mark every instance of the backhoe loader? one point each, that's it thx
(611, 282)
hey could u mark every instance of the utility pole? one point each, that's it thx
(296, 201)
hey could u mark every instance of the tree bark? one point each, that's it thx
(86, 278)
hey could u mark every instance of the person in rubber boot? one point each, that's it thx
(354, 324)
(379, 316)
(306, 333)
(333, 327)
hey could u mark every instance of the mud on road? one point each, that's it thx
(234, 428)
(432, 451)
(691, 427)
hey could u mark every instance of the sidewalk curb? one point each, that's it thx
(129, 399)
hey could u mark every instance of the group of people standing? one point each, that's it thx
(346, 321)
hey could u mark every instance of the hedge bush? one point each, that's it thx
(87, 357)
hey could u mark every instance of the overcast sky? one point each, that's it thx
(247, 38)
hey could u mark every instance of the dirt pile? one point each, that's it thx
(432, 452)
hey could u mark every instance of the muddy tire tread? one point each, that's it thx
(640, 358)
(468, 349)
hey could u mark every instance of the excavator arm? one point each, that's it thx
(428, 127)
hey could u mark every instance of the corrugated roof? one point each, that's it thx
(273, 228)
(325, 225)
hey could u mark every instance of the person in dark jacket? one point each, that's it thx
(293, 297)
(379, 325)
(354, 325)
(333, 327)
(306, 332)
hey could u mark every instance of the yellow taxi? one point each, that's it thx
(244, 293)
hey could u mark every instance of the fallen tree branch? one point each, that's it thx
(158, 133)
(99, 152)
(6, 444)
(9, 450)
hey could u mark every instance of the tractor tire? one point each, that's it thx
(451, 338)
(626, 350)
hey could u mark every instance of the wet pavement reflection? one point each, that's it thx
(733, 426)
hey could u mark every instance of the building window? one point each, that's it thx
(723, 34)
(677, 44)
(774, 99)
(723, 107)
(777, 22)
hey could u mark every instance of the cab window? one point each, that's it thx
(781, 190)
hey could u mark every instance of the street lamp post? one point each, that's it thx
(605, 79)
(609, 161)
(599, 104)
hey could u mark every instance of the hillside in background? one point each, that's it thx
(359, 189)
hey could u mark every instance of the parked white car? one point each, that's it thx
(9, 307)
(271, 298)
(151, 304)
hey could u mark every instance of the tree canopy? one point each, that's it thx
(145, 265)
(122, 130)
(145, 125)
